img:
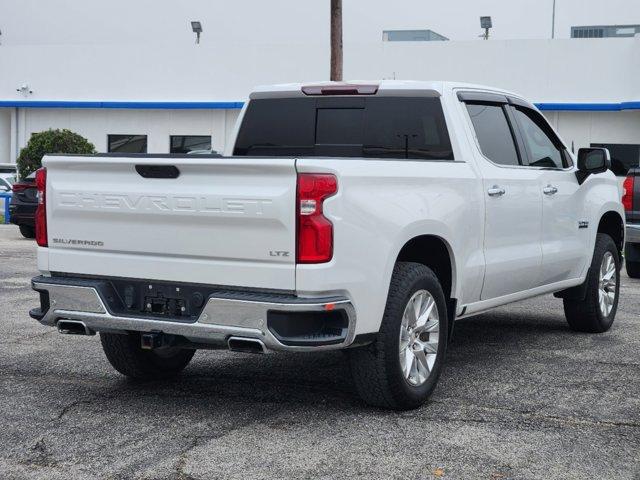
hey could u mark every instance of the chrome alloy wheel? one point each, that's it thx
(419, 337)
(607, 284)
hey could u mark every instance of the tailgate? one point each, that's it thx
(222, 221)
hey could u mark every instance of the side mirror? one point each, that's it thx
(592, 161)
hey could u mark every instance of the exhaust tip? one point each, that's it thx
(73, 327)
(246, 345)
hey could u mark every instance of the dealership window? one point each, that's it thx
(623, 156)
(189, 143)
(127, 143)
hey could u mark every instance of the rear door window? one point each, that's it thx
(380, 127)
(493, 133)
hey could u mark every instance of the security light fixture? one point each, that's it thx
(24, 89)
(197, 29)
(485, 22)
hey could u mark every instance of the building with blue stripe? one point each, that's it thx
(125, 97)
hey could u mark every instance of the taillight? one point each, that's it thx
(627, 193)
(41, 210)
(315, 231)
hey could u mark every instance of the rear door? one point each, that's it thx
(513, 200)
(220, 221)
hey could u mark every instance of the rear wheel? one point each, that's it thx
(27, 231)
(596, 312)
(401, 368)
(125, 355)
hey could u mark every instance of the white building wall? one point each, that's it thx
(5, 135)
(585, 128)
(578, 70)
(545, 71)
(158, 125)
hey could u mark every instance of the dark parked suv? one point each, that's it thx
(631, 202)
(23, 205)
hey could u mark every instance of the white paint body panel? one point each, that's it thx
(503, 249)
(214, 224)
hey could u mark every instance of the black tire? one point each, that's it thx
(585, 315)
(633, 268)
(632, 259)
(376, 368)
(27, 231)
(125, 355)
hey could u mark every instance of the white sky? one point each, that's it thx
(276, 21)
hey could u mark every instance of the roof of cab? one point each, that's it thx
(436, 88)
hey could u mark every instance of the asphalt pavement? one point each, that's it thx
(521, 397)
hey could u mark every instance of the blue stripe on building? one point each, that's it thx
(123, 105)
(576, 107)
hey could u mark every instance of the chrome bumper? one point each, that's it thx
(220, 318)
(632, 233)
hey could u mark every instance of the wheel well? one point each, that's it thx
(611, 223)
(432, 252)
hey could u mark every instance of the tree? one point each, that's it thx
(336, 40)
(50, 141)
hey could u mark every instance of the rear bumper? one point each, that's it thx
(632, 233)
(229, 314)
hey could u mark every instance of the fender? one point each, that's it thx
(434, 228)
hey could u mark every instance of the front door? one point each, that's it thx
(564, 226)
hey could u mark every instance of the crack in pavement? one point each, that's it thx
(533, 415)
(198, 440)
(70, 406)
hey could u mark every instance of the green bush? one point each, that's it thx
(50, 141)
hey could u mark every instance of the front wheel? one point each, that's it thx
(401, 368)
(125, 355)
(596, 312)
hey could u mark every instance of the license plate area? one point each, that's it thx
(146, 298)
(160, 305)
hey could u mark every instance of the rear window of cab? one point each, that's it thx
(369, 127)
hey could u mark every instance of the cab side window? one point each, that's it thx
(493, 133)
(543, 147)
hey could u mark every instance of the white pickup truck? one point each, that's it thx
(365, 217)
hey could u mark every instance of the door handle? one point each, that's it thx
(550, 190)
(496, 191)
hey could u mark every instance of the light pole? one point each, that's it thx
(553, 20)
(485, 22)
(197, 29)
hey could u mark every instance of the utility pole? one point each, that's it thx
(336, 40)
(553, 20)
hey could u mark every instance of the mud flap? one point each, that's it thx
(579, 292)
